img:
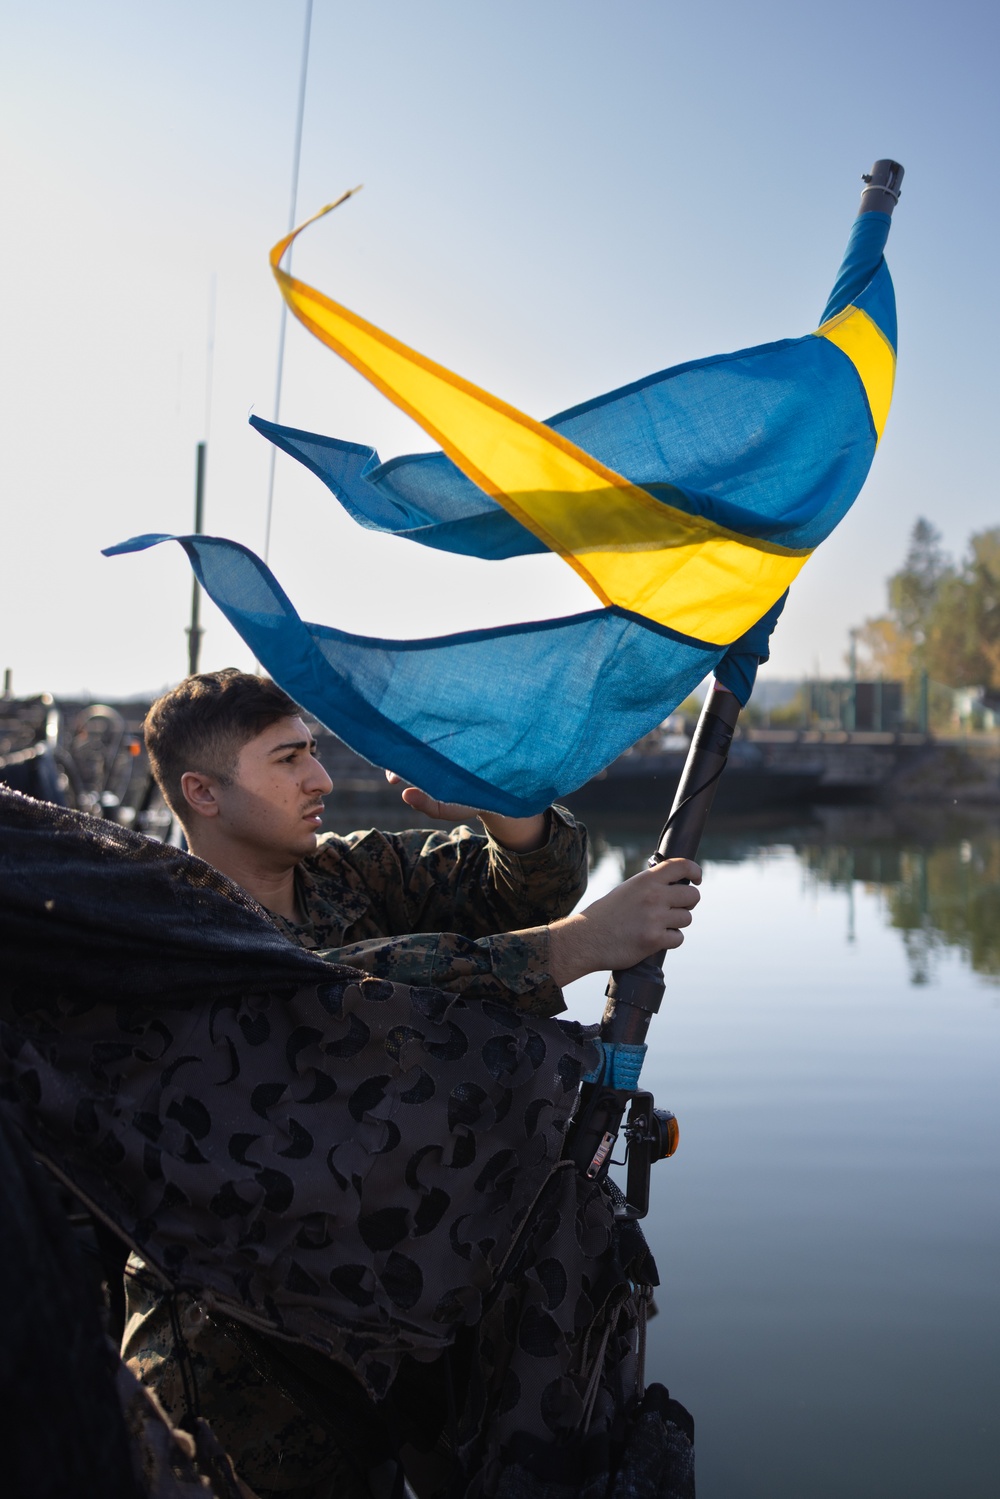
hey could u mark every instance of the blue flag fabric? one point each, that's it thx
(766, 441)
(767, 447)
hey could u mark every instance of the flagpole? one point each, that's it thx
(634, 995)
(292, 211)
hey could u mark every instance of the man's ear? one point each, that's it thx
(200, 793)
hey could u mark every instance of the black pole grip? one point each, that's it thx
(699, 780)
(634, 994)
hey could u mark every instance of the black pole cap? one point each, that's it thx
(882, 187)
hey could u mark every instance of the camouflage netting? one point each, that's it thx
(368, 1169)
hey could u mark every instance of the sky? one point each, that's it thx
(560, 196)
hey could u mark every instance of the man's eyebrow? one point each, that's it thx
(293, 744)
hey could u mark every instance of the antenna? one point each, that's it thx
(292, 210)
(194, 630)
(210, 354)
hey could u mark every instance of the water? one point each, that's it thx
(828, 1234)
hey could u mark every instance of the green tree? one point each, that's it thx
(963, 626)
(914, 590)
(892, 644)
(886, 650)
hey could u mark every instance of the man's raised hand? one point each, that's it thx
(520, 834)
(641, 916)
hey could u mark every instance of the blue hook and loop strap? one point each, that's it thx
(619, 1066)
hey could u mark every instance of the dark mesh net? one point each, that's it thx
(92, 906)
(327, 1156)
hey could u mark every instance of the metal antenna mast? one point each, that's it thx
(292, 210)
(194, 630)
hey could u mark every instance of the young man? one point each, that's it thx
(487, 915)
(237, 765)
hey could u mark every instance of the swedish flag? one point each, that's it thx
(687, 501)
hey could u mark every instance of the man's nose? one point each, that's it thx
(316, 778)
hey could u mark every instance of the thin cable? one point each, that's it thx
(643, 1297)
(210, 356)
(658, 857)
(292, 211)
(185, 1363)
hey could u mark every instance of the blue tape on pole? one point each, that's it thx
(619, 1066)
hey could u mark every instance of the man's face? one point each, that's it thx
(275, 803)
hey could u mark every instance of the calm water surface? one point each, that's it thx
(828, 1235)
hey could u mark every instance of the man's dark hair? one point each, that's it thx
(204, 722)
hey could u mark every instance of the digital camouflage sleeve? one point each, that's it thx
(451, 909)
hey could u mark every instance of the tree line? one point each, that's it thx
(943, 616)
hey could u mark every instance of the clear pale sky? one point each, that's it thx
(560, 196)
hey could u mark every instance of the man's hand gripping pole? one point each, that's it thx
(634, 995)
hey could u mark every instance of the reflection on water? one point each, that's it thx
(938, 876)
(949, 897)
(828, 1232)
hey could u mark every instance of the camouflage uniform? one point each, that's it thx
(419, 907)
